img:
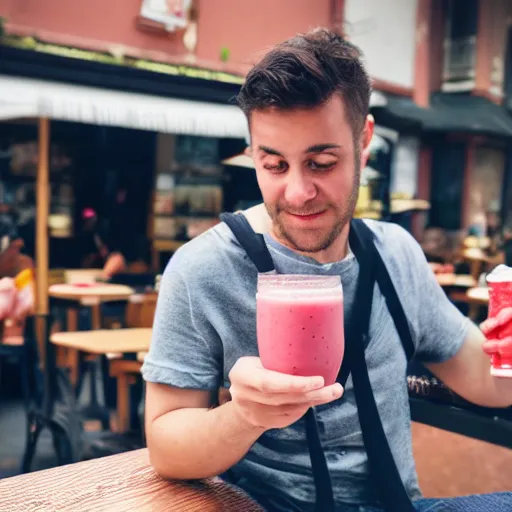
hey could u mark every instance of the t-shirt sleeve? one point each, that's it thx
(437, 327)
(180, 355)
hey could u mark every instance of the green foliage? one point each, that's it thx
(224, 54)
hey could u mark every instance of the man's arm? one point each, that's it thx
(187, 440)
(468, 374)
(115, 264)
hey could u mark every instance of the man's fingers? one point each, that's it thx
(323, 395)
(503, 347)
(252, 375)
(491, 326)
(293, 410)
(504, 316)
(490, 347)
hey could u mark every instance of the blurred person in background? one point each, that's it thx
(494, 231)
(17, 297)
(94, 251)
(132, 248)
(507, 240)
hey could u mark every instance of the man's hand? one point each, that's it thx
(7, 297)
(9, 259)
(498, 332)
(267, 399)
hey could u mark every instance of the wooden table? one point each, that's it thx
(479, 295)
(83, 275)
(476, 258)
(91, 296)
(476, 298)
(112, 341)
(455, 280)
(125, 372)
(120, 483)
(105, 341)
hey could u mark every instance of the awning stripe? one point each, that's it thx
(21, 97)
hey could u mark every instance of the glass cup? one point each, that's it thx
(500, 297)
(300, 324)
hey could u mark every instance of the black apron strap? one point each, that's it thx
(253, 243)
(390, 488)
(256, 248)
(387, 289)
(359, 229)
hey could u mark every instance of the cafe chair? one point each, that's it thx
(434, 404)
(21, 354)
(54, 409)
(129, 387)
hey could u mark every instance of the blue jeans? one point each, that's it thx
(498, 502)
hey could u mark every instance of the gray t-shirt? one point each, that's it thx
(206, 320)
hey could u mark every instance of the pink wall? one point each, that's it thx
(112, 21)
(249, 27)
(246, 27)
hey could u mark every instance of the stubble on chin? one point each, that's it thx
(310, 240)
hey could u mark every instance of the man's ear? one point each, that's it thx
(366, 138)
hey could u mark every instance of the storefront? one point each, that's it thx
(171, 125)
(182, 117)
(467, 140)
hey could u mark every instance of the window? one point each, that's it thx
(460, 45)
(171, 14)
(448, 164)
(508, 70)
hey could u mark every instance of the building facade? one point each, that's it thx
(444, 66)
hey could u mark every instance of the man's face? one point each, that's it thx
(308, 169)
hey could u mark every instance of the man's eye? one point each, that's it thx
(279, 167)
(316, 166)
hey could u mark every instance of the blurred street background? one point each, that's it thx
(120, 141)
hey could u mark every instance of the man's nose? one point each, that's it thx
(299, 189)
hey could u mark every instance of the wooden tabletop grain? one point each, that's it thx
(119, 483)
(91, 293)
(479, 295)
(105, 341)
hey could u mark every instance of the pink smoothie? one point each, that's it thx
(301, 335)
(500, 298)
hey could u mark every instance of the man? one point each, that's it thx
(307, 107)
(16, 286)
(93, 250)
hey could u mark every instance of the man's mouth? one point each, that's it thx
(307, 216)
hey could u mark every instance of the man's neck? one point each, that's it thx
(259, 219)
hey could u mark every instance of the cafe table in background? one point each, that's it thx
(112, 341)
(477, 298)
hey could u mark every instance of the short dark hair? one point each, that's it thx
(304, 72)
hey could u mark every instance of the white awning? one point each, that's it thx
(22, 97)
